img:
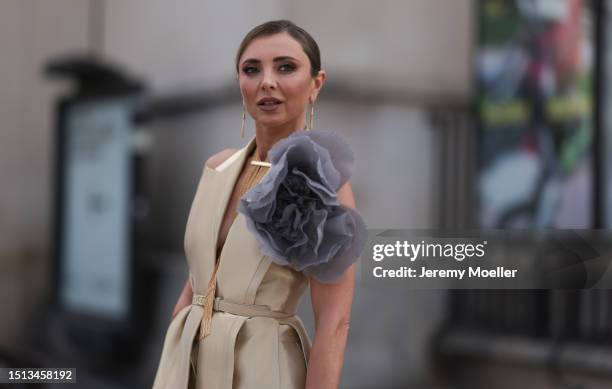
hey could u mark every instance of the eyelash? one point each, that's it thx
(246, 69)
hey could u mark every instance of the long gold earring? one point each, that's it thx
(243, 121)
(312, 116)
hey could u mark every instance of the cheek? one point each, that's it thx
(248, 90)
(297, 93)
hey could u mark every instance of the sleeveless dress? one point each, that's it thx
(255, 340)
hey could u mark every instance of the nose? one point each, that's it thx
(268, 81)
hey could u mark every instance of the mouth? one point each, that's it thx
(268, 102)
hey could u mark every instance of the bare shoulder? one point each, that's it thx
(219, 158)
(345, 195)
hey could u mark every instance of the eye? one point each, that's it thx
(287, 67)
(249, 69)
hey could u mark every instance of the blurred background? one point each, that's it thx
(462, 113)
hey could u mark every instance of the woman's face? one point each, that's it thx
(275, 81)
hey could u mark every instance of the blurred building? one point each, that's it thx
(402, 83)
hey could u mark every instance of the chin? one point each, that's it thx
(272, 122)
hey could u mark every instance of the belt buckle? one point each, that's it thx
(198, 299)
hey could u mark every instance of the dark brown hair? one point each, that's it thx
(308, 44)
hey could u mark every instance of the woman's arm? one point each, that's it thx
(331, 304)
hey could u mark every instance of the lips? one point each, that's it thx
(269, 104)
(268, 101)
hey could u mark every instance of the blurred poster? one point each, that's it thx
(535, 69)
(96, 231)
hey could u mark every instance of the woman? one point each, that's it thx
(234, 325)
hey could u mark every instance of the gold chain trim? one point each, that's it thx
(207, 301)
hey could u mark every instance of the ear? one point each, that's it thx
(319, 80)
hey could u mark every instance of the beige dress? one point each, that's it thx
(256, 340)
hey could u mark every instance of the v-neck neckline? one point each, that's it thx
(234, 168)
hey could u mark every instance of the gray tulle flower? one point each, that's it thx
(294, 212)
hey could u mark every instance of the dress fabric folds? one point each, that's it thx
(256, 340)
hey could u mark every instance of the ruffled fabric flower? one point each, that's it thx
(294, 211)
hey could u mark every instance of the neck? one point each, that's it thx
(267, 136)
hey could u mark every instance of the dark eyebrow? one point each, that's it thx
(276, 59)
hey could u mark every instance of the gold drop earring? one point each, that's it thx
(310, 121)
(243, 121)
